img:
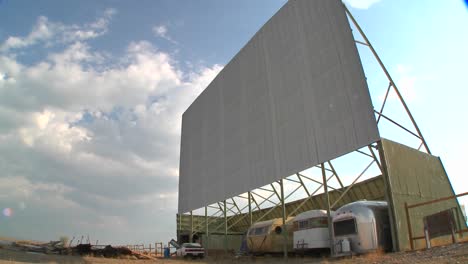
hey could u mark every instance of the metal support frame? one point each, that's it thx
(180, 227)
(389, 77)
(283, 215)
(250, 209)
(397, 124)
(384, 101)
(308, 198)
(276, 192)
(253, 204)
(388, 197)
(336, 174)
(207, 233)
(352, 184)
(225, 229)
(330, 223)
(302, 184)
(191, 227)
(319, 182)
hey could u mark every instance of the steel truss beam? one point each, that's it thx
(396, 123)
(274, 192)
(232, 206)
(367, 43)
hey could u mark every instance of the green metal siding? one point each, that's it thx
(413, 177)
(216, 242)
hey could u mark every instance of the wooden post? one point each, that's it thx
(408, 222)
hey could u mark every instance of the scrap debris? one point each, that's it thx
(58, 247)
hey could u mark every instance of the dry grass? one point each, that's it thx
(457, 253)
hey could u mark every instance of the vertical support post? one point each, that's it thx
(180, 227)
(330, 223)
(207, 233)
(408, 222)
(191, 227)
(459, 227)
(389, 197)
(225, 228)
(285, 231)
(250, 209)
(428, 239)
(452, 228)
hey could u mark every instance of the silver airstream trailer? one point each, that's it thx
(311, 231)
(362, 227)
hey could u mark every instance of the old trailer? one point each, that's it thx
(311, 231)
(362, 227)
(267, 236)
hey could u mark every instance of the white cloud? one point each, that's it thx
(105, 140)
(361, 4)
(162, 32)
(49, 33)
(62, 80)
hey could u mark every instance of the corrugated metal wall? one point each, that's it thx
(216, 242)
(294, 96)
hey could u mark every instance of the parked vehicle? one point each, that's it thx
(267, 236)
(361, 227)
(190, 250)
(311, 231)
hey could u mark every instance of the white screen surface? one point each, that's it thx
(293, 97)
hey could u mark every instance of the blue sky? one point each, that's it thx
(91, 95)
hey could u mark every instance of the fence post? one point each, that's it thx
(408, 222)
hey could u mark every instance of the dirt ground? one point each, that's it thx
(457, 253)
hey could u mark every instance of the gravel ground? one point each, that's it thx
(457, 253)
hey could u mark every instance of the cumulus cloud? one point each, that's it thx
(49, 33)
(361, 4)
(91, 147)
(162, 32)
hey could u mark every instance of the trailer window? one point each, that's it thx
(304, 224)
(319, 222)
(258, 231)
(345, 227)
